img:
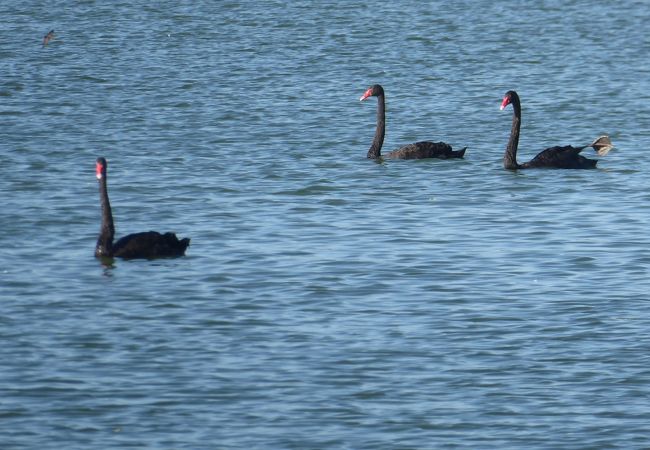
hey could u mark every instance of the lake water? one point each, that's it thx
(326, 301)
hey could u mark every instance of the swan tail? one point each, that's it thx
(602, 145)
(459, 153)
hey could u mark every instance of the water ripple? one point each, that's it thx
(326, 301)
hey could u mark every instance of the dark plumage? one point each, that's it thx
(149, 244)
(419, 150)
(566, 157)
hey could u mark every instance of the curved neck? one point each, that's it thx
(510, 157)
(378, 141)
(104, 245)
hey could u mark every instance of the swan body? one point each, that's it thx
(425, 149)
(558, 157)
(418, 150)
(149, 244)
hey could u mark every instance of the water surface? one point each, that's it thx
(326, 301)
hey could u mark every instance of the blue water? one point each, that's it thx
(326, 301)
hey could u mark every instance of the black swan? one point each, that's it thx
(566, 157)
(419, 150)
(149, 244)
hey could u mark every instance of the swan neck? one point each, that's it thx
(378, 140)
(510, 157)
(107, 231)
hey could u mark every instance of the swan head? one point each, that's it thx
(373, 91)
(510, 97)
(100, 168)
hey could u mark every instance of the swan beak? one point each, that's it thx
(366, 94)
(504, 103)
(98, 171)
